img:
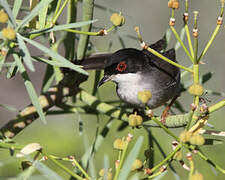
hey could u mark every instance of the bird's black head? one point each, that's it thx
(123, 62)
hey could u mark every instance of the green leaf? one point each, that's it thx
(26, 55)
(7, 8)
(55, 55)
(8, 107)
(2, 61)
(43, 16)
(34, 13)
(124, 172)
(16, 7)
(30, 88)
(48, 79)
(206, 77)
(63, 27)
(12, 70)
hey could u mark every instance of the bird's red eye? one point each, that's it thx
(121, 66)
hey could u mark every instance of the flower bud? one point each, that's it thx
(197, 139)
(119, 144)
(3, 16)
(173, 4)
(9, 33)
(117, 19)
(102, 173)
(137, 164)
(196, 90)
(196, 176)
(185, 136)
(135, 120)
(144, 96)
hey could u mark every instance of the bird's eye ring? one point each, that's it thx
(121, 66)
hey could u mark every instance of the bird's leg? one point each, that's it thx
(166, 110)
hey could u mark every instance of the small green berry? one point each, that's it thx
(3, 16)
(9, 33)
(144, 96)
(137, 164)
(117, 19)
(196, 90)
(102, 172)
(196, 176)
(119, 144)
(197, 139)
(135, 120)
(185, 136)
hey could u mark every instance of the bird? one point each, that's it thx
(136, 70)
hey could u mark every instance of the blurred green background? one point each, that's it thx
(61, 137)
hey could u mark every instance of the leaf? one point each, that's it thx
(9, 107)
(213, 142)
(43, 16)
(124, 172)
(30, 89)
(55, 55)
(12, 70)
(16, 7)
(63, 27)
(33, 13)
(28, 149)
(9, 12)
(206, 77)
(48, 79)
(26, 54)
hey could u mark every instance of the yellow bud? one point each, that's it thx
(119, 144)
(9, 33)
(185, 136)
(137, 164)
(102, 172)
(135, 120)
(173, 4)
(196, 176)
(117, 19)
(144, 96)
(196, 90)
(197, 139)
(178, 156)
(3, 17)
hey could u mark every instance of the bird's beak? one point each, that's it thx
(104, 79)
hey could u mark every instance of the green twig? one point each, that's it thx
(52, 158)
(166, 159)
(181, 43)
(121, 161)
(59, 12)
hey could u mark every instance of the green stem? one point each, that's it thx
(191, 162)
(196, 81)
(99, 33)
(166, 159)
(186, 5)
(168, 60)
(121, 161)
(217, 106)
(80, 168)
(57, 8)
(165, 129)
(181, 42)
(88, 9)
(205, 158)
(52, 158)
(6, 145)
(209, 42)
(190, 120)
(189, 40)
(59, 12)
